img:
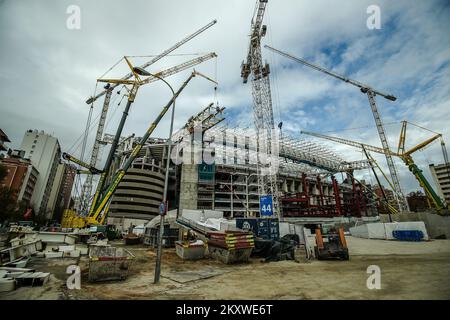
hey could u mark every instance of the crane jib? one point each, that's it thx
(155, 59)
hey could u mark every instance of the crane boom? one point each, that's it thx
(371, 93)
(333, 74)
(155, 59)
(90, 168)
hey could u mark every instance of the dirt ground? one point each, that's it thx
(409, 270)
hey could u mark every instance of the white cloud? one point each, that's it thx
(48, 71)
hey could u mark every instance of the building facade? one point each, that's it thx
(61, 190)
(228, 184)
(44, 152)
(441, 177)
(3, 139)
(21, 176)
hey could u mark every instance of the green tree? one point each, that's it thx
(8, 205)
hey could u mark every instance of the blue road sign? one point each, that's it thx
(266, 205)
(162, 209)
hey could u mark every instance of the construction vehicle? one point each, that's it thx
(98, 213)
(330, 243)
(433, 198)
(88, 203)
(371, 94)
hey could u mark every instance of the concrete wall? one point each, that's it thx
(437, 226)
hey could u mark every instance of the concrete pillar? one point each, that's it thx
(189, 187)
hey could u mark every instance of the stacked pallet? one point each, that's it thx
(231, 240)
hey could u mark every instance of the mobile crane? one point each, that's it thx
(98, 214)
(87, 185)
(125, 80)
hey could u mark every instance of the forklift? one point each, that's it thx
(330, 243)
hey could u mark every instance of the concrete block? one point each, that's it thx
(407, 225)
(71, 254)
(84, 250)
(7, 284)
(369, 231)
(66, 248)
(384, 230)
(50, 255)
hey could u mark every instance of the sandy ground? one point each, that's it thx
(409, 270)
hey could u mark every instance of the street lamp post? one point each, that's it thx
(144, 72)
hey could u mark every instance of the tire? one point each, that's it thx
(316, 253)
(345, 256)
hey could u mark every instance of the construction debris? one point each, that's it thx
(109, 263)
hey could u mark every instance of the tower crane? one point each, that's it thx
(404, 155)
(87, 185)
(371, 93)
(262, 108)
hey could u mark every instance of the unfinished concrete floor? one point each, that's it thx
(408, 271)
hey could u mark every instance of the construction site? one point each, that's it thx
(215, 210)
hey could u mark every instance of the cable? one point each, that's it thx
(75, 145)
(170, 55)
(86, 132)
(114, 65)
(364, 127)
(416, 125)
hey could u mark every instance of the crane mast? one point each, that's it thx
(262, 108)
(371, 93)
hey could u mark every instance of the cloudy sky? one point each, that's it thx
(49, 70)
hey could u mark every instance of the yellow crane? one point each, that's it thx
(102, 197)
(99, 209)
(404, 155)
